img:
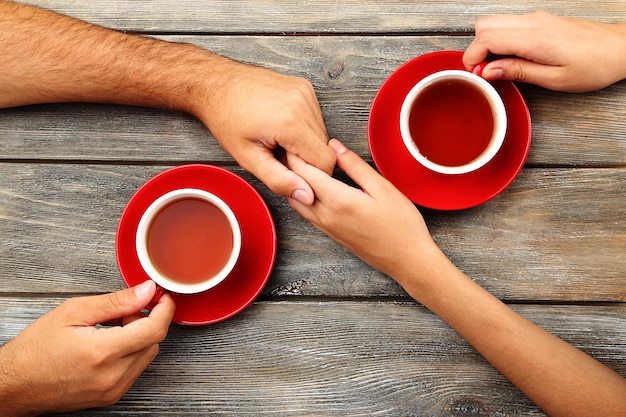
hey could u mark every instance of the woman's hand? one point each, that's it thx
(377, 222)
(558, 53)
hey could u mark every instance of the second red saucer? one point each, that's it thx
(258, 242)
(427, 188)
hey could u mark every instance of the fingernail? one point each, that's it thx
(478, 69)
(144, 289)
(301, 196)
(494, 74)
(337, 146)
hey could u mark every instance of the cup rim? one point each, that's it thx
(495, 102)
(146, 220)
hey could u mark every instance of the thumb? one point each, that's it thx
(108, 307)
(518, 69)
(280, 179)
(356, 167)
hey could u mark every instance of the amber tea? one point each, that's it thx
(190, 240)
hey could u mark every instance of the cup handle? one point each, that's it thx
(157, 296)
(478, 69)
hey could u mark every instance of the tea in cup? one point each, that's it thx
(453, 122)
(188, 240)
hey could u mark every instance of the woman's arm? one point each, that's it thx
(559, 378)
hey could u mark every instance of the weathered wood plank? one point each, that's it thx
(347, 72)
(322, 16)
(555, 234)
(338, 358)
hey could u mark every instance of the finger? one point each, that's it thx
(501, 35)
(475, 53)
(515, 69)
(309, 141)
(316, 123)
(129, 319)
(306, 135)
(128, 369)
(141, 333)
(106, 308)
(137, 362)
(323, 185)
(279, 178)
(163, 311)
(326, 187)
(357, 169)
(313, 149)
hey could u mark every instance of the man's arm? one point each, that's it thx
(47, 57)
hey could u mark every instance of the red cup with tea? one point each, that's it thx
(453, 122)
(188, 241)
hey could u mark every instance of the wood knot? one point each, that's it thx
(468, 407)
(336, 72)
(290, 288)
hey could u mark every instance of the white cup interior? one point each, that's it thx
(144, 227)
(498, 112)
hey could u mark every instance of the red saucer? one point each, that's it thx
(258, 244)
(427, 188)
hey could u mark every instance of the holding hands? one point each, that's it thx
(376, 222)
(253, 111)
(558, 53)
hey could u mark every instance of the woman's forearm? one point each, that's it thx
(559, 378)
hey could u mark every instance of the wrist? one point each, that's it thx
(620, 31)
(13, 393)
(422, 275)
(209, 76)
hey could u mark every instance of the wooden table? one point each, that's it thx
(328, 335)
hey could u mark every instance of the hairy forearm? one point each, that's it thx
(559, 378)
(47, 57)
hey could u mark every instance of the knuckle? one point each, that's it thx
(153, 352)
(275, 185)
(68, 306)
(112, 395)
(518, 73)
(97, 357)
(115, 300)
(484, 26)
(160, 334)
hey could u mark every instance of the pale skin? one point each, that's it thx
(555, 52)
(559, 378)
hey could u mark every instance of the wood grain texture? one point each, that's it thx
(338, 358)
(346, 71)
(329, 336)
(555, 234)
(321, 16)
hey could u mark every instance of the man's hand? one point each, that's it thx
(63, 362)
(254, 112)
